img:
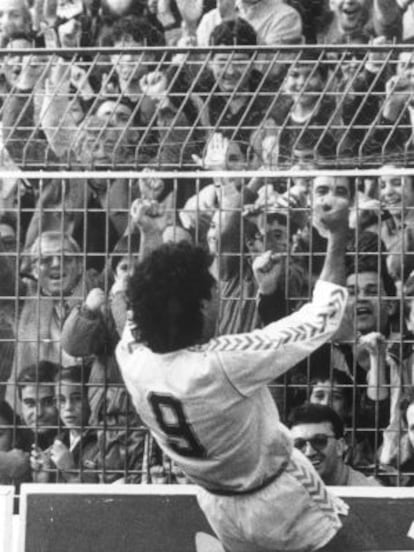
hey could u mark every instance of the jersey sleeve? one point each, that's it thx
(253, 359)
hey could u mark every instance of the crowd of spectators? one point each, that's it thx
(142, 86)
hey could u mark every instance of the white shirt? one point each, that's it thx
(209, 407)
(208, 23)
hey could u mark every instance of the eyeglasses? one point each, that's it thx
(48, 260)
(317, 442)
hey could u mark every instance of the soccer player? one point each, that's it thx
(206, 401)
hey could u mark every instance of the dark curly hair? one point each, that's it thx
(165, 293)
(43, 373)
(316, 414)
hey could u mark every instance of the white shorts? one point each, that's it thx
(294, 513)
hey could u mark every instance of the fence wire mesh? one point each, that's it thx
(108, 152)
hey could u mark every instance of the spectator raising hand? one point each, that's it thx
(148, 215)
(216, 153)
(150, 187)
(95, 299)
(152, 218)
(155, 86)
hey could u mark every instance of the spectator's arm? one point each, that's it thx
(56, 117)
(373, 344)
(273, 305)
(41, 465)
(150, 217)
(387, 18)
(23, 142)
(84, 331)
(231, 235)
(63, 458)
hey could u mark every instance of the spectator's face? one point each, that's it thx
(70, 33)
(8, 237)
(12, 66)
(213, 234)
(14, 17)
(274, 234)
(326, 187)
(325, 452)
(352, 14)
(57, 269)
(304, 84)
(397, 194)
(6, 436)
(131, 67)
(102, 144)
(410, 423)
(120, 116)
(405, 67)
(350, 65)
(367, 302)
(72, 404)
(329, 394)
(115, 113)
(232, 71)
(76, 111)
(38, 407)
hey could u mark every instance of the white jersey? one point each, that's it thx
(209, 407)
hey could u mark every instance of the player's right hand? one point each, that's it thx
(331, 216)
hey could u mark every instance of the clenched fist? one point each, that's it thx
(331, 215)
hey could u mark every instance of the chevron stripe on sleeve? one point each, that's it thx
(298, 331)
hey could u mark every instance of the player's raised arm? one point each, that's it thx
(270, 352)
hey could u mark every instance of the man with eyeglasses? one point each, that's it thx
(318, 432)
